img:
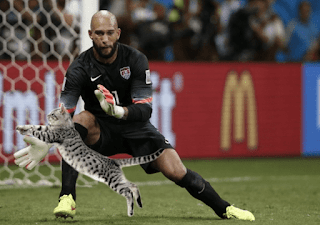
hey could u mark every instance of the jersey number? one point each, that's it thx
(115, 94)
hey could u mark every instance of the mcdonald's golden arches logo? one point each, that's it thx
(238, 94)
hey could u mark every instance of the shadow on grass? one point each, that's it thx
(140, 219)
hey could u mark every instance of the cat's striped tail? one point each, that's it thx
(139, 160)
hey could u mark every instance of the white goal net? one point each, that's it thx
(38, 40)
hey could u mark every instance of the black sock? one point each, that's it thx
(69, 180)
(203, 191)
(70, 175)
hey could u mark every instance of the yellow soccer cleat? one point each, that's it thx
(234, 212)
(66, 207)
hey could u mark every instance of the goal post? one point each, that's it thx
(38, 41)
(88, 8)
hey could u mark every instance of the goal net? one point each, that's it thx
(38, 40)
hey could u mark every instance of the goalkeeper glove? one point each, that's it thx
(32, 154)
(108, 103)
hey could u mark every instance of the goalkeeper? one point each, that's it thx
(114, 82)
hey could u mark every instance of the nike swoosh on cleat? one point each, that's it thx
(204, 186)
(94, 79)
(72, 208)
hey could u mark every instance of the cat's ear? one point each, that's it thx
(63, 109)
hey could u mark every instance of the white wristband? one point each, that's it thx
(118, 112)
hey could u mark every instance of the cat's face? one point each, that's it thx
(59, 117)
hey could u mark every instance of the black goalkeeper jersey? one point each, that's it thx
(127, 78)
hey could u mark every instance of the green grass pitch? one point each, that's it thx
(284, 191)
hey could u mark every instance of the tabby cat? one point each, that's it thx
(63, 135)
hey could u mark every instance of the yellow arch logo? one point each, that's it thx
(239, 94)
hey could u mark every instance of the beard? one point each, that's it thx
(105, 56)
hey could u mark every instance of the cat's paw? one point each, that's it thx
(136, 194)
(23, 129)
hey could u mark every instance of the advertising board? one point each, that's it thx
(311, 110)
(235, 109)
(204, 109)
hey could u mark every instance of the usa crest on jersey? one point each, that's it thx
(125, 72)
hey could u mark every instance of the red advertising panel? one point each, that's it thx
(28, 92)
(234, 109)
(203, 109)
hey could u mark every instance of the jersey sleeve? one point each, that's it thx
(71, 88)
(141, 91)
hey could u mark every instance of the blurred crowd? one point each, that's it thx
(166, 30)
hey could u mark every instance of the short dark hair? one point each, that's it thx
(303, 3)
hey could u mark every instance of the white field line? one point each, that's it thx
(235, 179)
(20, 184)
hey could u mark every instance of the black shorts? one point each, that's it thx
(133, 138)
